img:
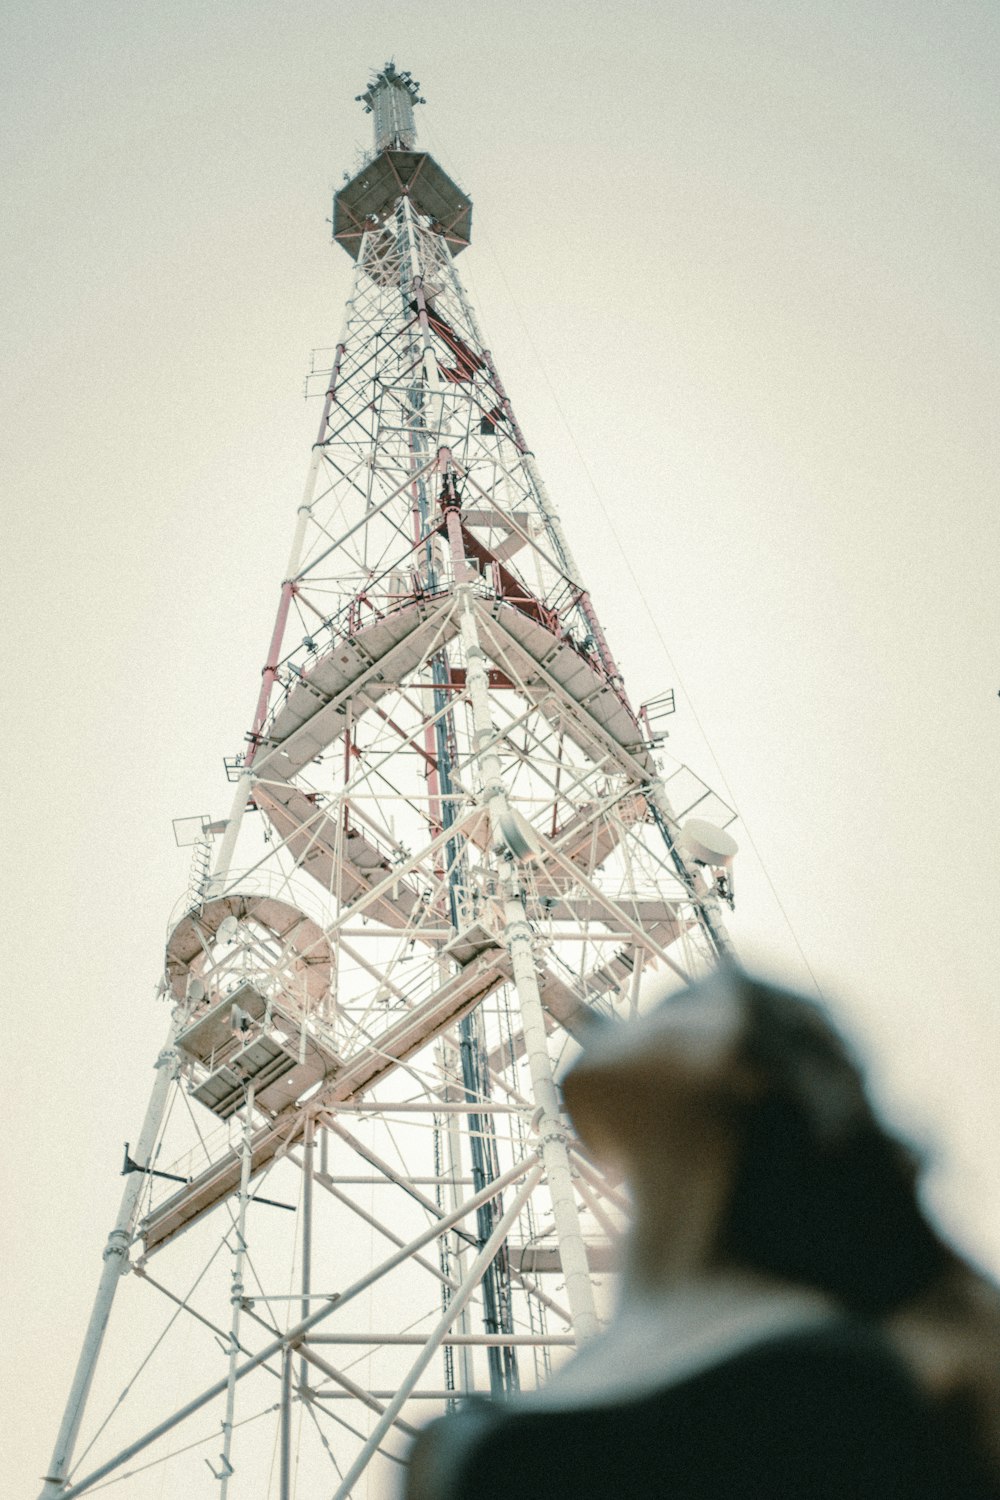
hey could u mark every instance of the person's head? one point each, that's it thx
(753, 1083)
(751, 1089)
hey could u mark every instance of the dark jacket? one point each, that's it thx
(829, 1414)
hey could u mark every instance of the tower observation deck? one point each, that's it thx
(453, 848)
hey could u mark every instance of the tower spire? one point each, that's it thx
(397, 170)
(389, 98)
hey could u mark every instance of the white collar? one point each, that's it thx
(655, 1341)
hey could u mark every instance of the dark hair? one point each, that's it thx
(822, 1194)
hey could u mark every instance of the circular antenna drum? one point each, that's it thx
(196, 990)
(708, 844)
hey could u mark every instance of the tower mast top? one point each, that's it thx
(390, 97)
(396, 170)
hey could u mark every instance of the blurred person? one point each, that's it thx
(790, 1324)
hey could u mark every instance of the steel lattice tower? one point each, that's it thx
(450, 852)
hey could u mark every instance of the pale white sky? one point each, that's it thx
(736, 260)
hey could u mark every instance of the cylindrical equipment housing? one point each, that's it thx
(392, 107)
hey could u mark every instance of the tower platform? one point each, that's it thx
(371, 196)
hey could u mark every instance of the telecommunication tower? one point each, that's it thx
(453, 847)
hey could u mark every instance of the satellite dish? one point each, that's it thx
(196, 990)
(227, 930)
(708, 844)
(517, 835)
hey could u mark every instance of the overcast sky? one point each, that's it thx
(737, 264)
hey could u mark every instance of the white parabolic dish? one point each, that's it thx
(708, 844)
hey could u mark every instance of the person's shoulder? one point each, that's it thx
(829, 1411)
(442, 1449)
(842, 1399)
(836, 1347)
(838, 1377)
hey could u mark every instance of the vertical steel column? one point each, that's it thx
(550, 515)
(236, 1296)
(115, 1264)
(466, 1379)
(502, 1362)
(287, 1356)
(308, 1156)
(517, 938)
(241, 796)
(224, 858)
(288, 587)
